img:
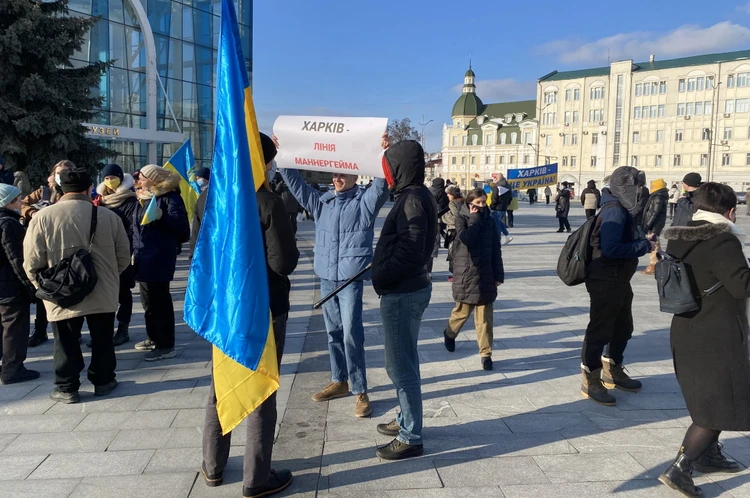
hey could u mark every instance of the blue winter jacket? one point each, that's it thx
(344, 224)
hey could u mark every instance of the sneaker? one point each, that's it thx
(22, 375)
(487, 363)
(332, 391)
(507, 240)
(105, 389)
(396, 450)
(278, 482)
(362, 406)
(559, 231)
(63, 397)
(390, 429)
(38, 338)
(121, 336)
(212, 480)
(147, 345)
(450, 344)
(160, 354)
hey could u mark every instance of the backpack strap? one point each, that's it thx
(92, 230)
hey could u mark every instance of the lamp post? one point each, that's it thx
(423, 124)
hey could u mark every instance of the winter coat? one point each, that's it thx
(643, 196)
(60, 231)
(615, 244)
(15, 285)
(684, 211)
(155, 245)
(195, 226)
(500, 202)
(6, 177)
(410, 229)
(344, 225)
(710, 346)
(290, 203)
(477, 258)
(39, 199)
(591, 198)
(674, 195)
(454, 207)
(438, 190)
(655, 215)
(280, 247)
(547, 192)
(562, 203)
(122, 202)
(21, 181)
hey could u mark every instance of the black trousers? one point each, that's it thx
(547, 197)
(510, 219)
(611, 322)
(293, 219)
(125, 298)
(590, 213)
(564, 224)
(15, 318)
(159, 313)
(261, 426)
(40, 321)
(68, 359)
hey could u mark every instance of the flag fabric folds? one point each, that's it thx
(182, 162)
(227, 299)
(152, 211)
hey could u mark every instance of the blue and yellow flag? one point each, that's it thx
(182, 162)
(152, 211)
(227, 298)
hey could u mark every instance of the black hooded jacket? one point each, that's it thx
(684, 211)
(438, 190)
(655, 215)
(410, 229)
(500, 202)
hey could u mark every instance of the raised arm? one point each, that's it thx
(306, 195)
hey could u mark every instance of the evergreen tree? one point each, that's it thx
(43, 98)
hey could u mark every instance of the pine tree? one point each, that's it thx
(43, 98)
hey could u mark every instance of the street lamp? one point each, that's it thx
(423, 124)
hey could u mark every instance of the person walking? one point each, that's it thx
(562, 207)
(455, 202)
(643, 194)
(16, 291)
(655, 218)
(685, 209)
(511, 210)
(57, 232)
(674, 196)
(344, 233)
(400, 278)
(709, 346)
(44, 196)
(203, 179)
(615, 253)
(258, 478)
(478, 262)
(117, 193)
(547, 193)
(155, 256)
(591, 199)
(502, 196)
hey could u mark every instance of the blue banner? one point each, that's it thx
(524, 179)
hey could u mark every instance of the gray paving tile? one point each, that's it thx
(193, 417)
(17, 467)
(560, 490)
(175, 485)
(109, 463)
(59, 442)
(16, 424)
(488, 491)
(489, 471)
(141, 439)
(591, 467)
(52, 488)
(6, 439)
(654, 489)
(152, 419)
(161, 401)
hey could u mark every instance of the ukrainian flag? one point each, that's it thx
(152, 210)
(182, 162)
(227, 298)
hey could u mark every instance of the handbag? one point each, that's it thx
(72, 279)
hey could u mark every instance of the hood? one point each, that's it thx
(565, 193)
(624, 187)
(658, 185)
(171, 184)
(662, 192)
(642, 178)
(405, 164)
(696, 232)
(438, 183)
(591, 184)
(502, 183)
(127, 184)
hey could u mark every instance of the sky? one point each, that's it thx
(407, 58)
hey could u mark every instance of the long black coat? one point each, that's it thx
(562, 204)
(709, 347)
(655, 214)
(477, 258)
(14, 283)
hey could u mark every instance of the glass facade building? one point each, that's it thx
(185, 36)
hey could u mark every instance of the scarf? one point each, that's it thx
(116, 199)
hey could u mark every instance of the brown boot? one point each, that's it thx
(332, 391)
(362, 406)
(650, 270)
(592, 387)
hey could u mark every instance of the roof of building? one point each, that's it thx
(470, 72)
(468, 104)
(697, 60)
(500, 110)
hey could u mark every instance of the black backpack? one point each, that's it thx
(73, 278)
(676, 291)
(576, 254)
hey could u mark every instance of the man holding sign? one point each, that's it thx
(344, 233)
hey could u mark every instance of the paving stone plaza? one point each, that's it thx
(520, 431)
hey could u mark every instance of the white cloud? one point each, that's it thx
(503, 90)
(683, 41)
(744, 8)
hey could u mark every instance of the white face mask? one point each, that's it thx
(272, 172)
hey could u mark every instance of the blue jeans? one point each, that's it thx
(498, 217)
(346, 334)
(402, 316)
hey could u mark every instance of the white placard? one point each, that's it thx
(331, 144)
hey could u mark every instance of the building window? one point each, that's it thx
(455, 141)
(726, 159)
(474, 139)
(636, 137)
(503, 138)
(681, 86)
(634, 161)
(463, 160)
(659, 136)
(729, 107)
(512, 159)
(597, 93)
(700, 83)
(549, 140)
(550, 97)
(704, 160)
(567, 116)
(747, 160)
(574, 139)
(549, 118)
(698, 108)
(596, 115)
(727, 133)
(568, 95)
(593, 161)
(464, 140)
(637, 112)
(638, 89)
(652, 113)
(730, 81)
(742, 80)
(663, 88)
(678, 135)
(526, 159)
(691, 85)
(657, 161)
(709, 83)
(527, 137)
(572, 161)
(706, 134)
(514, 138)
(576, 94)
(565, 161)
(680, 109)
(594, 138)
(689, 109)
(486, 159)
(576, 116)
(646, 89)
(708, 107)
(566, 139)
(661, 110)
(473, 160)
(741, 105)
(677, 160)
(453, 161)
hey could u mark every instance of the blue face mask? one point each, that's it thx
(57, 179)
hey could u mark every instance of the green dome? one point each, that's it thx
(468, 104)
(470, 73)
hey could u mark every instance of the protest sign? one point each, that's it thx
(331, 144)
(539, 177)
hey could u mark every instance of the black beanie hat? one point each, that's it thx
(74, 181)
(692, 180)
(269, 148)
(113, 169)
(203, 173)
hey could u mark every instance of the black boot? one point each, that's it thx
(713, 460)
(122, 336)
(37, 338)
(679, 476)
(614, 376)
(592, 387)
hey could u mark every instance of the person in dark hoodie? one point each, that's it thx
(615, 252)
(643, 195)
(438, 190)
(655, 218)
(502, 196)
(281, 259)
(400, 278)
(685, 209)
(591, 199)
(562, 207)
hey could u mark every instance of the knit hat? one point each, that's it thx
(155, 173)
(203, 173)
(453, 190)
(74, 181)
(269, 148)
(658, 185)
(113, 169)
(692, 180)
(8, 193)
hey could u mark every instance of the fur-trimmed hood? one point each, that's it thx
(696, 232)
(171, 184)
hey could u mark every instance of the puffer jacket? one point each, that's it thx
(344, 224)
(684, 211)
(655, 215)
(14, 282)
(155, 245)
(410, 230)
(438, 190)
(477, 258)
(562, 203)
(37, 200)
(591, 198)
(122, 202)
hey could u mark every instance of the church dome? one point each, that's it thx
(468, 104)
